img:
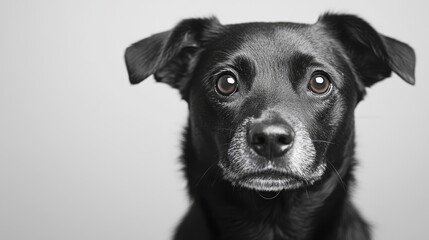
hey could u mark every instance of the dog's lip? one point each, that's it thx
(270, 175)
(269, 180)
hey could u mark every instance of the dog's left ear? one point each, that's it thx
(373, 55)
(170, 56)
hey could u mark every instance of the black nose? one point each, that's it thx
(270, 140)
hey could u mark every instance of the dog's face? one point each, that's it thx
(274, 95)
(269, 101)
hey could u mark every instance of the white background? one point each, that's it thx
(84, 155)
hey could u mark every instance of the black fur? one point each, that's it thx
(272, 63)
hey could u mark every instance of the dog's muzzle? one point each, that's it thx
(272, 153)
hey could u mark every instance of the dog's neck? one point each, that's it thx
(238, 213)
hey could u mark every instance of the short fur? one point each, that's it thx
(238, 192)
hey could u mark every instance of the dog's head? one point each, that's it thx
(271, 104)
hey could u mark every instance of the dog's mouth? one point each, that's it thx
(275, 180)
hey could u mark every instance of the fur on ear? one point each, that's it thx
(373, 55)
(171, 55)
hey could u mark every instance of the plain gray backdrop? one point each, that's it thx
(85, 155)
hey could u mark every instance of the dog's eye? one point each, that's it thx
(226, 85)
(319, 83)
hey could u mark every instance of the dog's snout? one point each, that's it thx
(270, 140)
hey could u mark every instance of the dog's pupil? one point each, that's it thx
(319, 84)
(226, 84)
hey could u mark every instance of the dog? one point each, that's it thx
(268, 151)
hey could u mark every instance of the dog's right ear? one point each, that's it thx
(171, 55)
(374, 55)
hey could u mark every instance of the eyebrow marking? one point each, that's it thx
(244, 66)
(298, 64)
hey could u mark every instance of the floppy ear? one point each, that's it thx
(373, 55)
(171, 55)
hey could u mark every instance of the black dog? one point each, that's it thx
(269, 146)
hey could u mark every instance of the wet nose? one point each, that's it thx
(270, 140)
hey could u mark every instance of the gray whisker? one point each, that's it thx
(323, 141)
(202, 176)
(340, 180)
(268, 198)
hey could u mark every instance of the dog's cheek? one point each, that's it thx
(226, 131)
(203, 122)
(323, 122)
(210, 122)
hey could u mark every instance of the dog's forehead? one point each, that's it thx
(275, 39)
(268, 45)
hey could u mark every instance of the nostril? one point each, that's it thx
(258, 139)
(284, 139)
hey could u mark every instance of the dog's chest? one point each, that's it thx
(263, 231)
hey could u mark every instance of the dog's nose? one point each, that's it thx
(270, 140)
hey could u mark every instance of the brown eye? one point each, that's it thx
(226, 84)
(319, 84)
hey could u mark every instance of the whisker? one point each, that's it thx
(337, 174)
(226, 129)
(323, 141)
(224, 144)
(306, 191)
(216, 178)
(202, 176)
(268, 198)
